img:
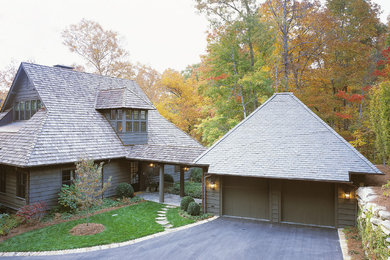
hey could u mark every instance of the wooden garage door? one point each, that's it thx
(245, 197)
(308, 203)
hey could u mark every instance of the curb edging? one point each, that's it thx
(343, 244)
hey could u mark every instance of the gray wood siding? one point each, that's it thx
(9, 198)
(7, 118)
(133, 138)
(119, 170)
(45, 184)
(346, 208)
(213, 197)
(275, 200)
(22, 90)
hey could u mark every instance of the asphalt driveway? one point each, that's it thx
(227, 238)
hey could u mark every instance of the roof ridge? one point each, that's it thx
(234, 128)
(337, 135)
(136, 94)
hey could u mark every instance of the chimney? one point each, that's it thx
(63, 67)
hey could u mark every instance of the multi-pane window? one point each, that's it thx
(129, 120)
(3, 177)
(24, 110)
(134, 178)
(68, 177)
(21, 184)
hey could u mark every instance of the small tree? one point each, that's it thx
(89, 185)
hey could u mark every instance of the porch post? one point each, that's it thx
(181, 181)
(161, 188)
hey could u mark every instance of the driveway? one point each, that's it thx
(227, 238)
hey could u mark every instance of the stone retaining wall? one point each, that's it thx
(373, 224)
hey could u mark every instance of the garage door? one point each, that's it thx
(308, 203)
(245, 197)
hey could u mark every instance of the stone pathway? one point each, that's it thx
(162, 217)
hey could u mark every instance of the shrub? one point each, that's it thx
(185, 201)
(196, 175)
(67, 198)
(32, 213)
(193, 209)
(7, 223)
(168, 178)
(124, 190)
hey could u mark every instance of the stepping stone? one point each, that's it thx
(162, 222)
(161, 215)
(161, 212)
(171, 206)
(168, 226)
(161, 218)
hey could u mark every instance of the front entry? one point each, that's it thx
(135, 176)
(245, 197)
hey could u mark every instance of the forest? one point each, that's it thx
(334, 55)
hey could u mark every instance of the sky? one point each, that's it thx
(160, 33)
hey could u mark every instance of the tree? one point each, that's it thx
(147, 79)
(380, 119)
(101, 49)
(89, 185)
(179, 101)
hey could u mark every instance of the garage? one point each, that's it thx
(284, 164)
(308, 203)
(245, 197)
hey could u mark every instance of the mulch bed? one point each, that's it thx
(355, 249)
(28, 227)
(85, 229)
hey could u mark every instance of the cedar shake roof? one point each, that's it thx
(69, 127)
(284, 139)
(121, 98)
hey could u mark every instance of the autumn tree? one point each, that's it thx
(147, 79)
(101, 49)
(89, 186)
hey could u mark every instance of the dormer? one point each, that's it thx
(127, 113)
(22, 101)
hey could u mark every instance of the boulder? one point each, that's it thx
(385, 215)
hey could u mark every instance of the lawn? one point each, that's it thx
(176, 220)
(120, 225)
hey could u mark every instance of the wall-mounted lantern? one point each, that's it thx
(347, 195)
(213, 185)
(151, 165)
(186, 168)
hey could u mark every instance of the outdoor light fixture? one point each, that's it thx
(347, 195)
(186, 168)
(212, 185)
(151, 165)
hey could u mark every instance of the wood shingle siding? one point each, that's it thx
(346, 208)
(213, 198)
(119, 170)
(45, 184)
(9, 198)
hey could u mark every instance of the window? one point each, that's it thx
(21, 184)
(134, 178)
(128, 120)
(68, 177)
(26, 109)
(3, 175)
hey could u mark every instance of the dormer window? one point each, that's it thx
(129, 120)
(24, 110)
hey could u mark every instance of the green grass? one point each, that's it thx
(176, 220)
(131, 222)
(193, 189)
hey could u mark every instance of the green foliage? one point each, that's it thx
(386, 188)
(176, 219)
(195, 218)
(185, 201)
(8, 222)
(373, 239)
(89, 185)
(196, 175)
(168, 178)
(193, 189)
(380, 119)
(122, 224)
(193, 209)
(67, 198)
(124, 190)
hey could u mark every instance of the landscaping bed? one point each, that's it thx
(193, 189)
(123, 224)
(354, 242)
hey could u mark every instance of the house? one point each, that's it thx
(54, 116)
(283, 164)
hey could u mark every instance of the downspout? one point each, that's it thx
(205, 193)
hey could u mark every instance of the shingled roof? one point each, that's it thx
(69, 127)
(284, 139)
(121, 98)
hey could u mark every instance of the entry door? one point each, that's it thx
(134, 176)
(245, 197)
(308, 203)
